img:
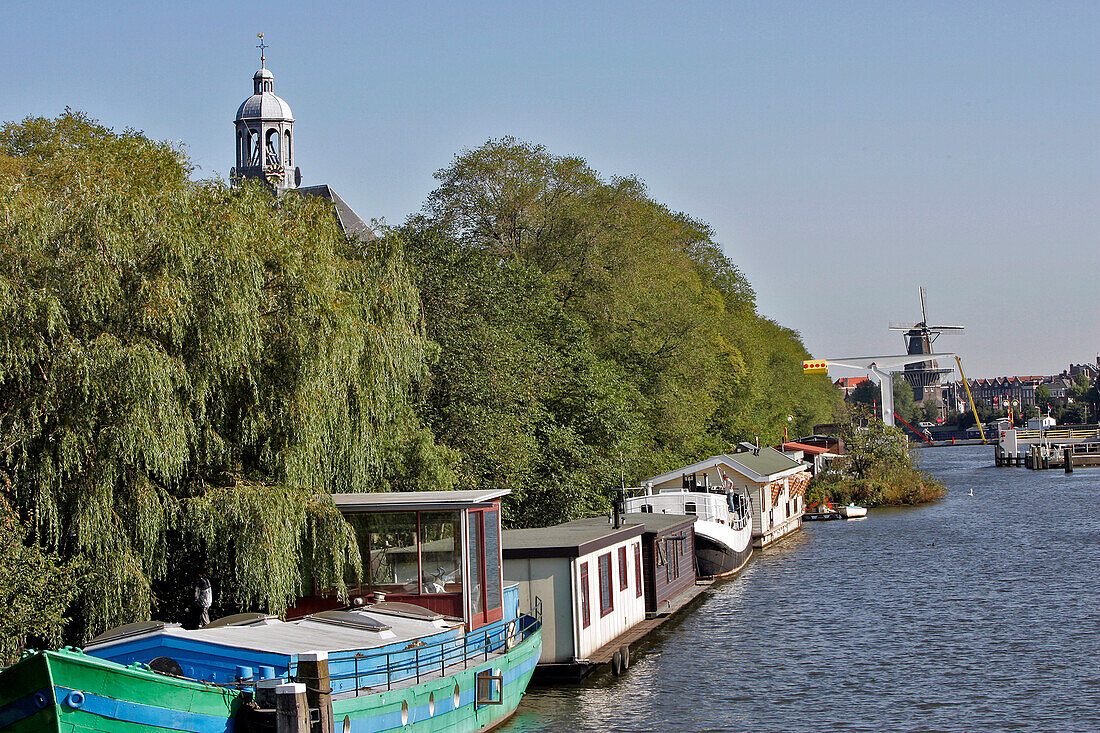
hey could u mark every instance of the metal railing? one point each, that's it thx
(371, 671)
(702, 510)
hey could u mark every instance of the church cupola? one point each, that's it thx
(265, 134)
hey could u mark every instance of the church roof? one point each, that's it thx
(349, 222)
(265, 106)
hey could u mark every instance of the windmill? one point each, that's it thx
(924, 377)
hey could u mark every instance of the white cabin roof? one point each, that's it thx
(769, 466)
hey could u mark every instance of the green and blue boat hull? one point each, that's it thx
(69, 691)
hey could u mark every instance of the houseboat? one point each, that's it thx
(392, 662)
(761, 490)
(723, 513)
(588, 579)
(667, 561)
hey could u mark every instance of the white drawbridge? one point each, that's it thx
(880, 369)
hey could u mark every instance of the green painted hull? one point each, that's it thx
(69, 691)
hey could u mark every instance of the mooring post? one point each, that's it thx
(265, 693)
(291, 709)
(313, 671)
(1068, 453)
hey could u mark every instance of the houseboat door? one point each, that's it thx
(486, 598)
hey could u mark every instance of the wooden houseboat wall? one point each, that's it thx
(668, 559)
(576, 573)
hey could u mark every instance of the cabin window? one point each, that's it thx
(477, 605)
(490, 688)
(662, 556)
(638, 570)
(387, 544)
(492, 559)
(624, 579)
(441, 552)
(607, 600)
(689, 508)
(586, 614)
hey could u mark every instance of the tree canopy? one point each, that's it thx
(588, 334)
(186, 367)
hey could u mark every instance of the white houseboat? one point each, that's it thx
(587, 579)
(774, 485)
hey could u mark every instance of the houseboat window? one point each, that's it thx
(474, 528)
(387, 544)
(441, 552)
(662, 557)
(607, 603)
(689, 508)
(638, 569)
(492, 559)
(624, 579)
(586, 614)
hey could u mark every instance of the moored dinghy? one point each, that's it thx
(852, 511)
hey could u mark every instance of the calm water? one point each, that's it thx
(974, 613)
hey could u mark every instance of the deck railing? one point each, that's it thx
(370, 671)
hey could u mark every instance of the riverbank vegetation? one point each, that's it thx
(187, 370)
(878, 468)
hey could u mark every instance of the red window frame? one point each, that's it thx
(609, 578)
(624, 578)
(638, 569)
(586, 613)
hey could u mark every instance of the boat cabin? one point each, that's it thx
(667, 559)
(439, 550)
(587, 576)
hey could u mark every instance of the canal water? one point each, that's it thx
(974, 613)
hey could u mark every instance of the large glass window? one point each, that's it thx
(441, 552)
(387, 545)
(492, 560)
(474, 530)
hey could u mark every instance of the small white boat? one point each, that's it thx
(852, 511)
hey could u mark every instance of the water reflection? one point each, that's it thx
(974, 613)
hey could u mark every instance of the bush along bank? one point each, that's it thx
(877, 469)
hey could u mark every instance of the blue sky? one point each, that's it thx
(844, 153)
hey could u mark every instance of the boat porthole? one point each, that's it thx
(347, 724)
(456, 696)
(75, 699)
(40, 700)
(431, 704)
(404, 712)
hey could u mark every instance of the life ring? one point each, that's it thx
(75, 699)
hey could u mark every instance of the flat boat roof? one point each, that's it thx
(424, 501)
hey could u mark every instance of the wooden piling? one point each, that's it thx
(291, 709)
(313, 672)
(1068, 453)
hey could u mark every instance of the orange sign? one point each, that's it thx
(815, 367)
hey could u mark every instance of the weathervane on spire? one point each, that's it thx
(261, 46)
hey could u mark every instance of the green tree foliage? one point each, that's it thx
(186, 367)
(1042, 397)
(579, 321)
(36, 588)
(878, 467)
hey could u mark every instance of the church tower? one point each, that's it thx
(265, 134)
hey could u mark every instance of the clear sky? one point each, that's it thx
(844, 153)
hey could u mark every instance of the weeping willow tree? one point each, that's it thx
(188, 370)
